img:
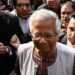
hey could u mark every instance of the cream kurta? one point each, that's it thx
(62, 66)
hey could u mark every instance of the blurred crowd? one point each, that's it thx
(14, 29)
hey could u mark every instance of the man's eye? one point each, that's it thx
(72, 29)
(63, 13)
(49, 35)
(22, 5)
(37, 35)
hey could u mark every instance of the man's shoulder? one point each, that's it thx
(9, 15)
(43, 6)
(62, 38)
(66, 54)
(25, 47)
(65, 49)
(9, 19)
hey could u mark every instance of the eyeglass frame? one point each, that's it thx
(45, 35)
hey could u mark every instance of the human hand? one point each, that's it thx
(3, 49)
(14, 41)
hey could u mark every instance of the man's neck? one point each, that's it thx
(38, 58)
(48, 54)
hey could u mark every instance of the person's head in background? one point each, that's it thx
(2, 6)
(5, 6)
(9, 4)
(54, 4)
(71, 29)
(36, 4)
(44, 28)
(23, 8)
(66, 10)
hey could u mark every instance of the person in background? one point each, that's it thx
(36, 4)
(23, 10)
(3, 5)
(7, 5)
(53, 5)
(69, 37)
(66, 10)
(44, 55)
(10, 5)
(9, 25)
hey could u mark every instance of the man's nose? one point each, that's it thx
(24, 7)
(43, 40)
(66, 15)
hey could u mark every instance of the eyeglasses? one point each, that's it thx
(23, 5)
(45, 35)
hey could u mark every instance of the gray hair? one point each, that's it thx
(44, 14)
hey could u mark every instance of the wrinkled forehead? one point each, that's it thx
(44, 18)
(43, 21)
(43, 25)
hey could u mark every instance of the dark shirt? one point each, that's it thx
(9, 25)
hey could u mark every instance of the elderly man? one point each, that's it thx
(66, 10)
(69, 37)
(44, 55)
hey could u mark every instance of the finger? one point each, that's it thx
(14, 38)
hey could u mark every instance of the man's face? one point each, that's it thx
(52, 3)
(23, 8)
(71, 31)
(66, 11)
(44, 35)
